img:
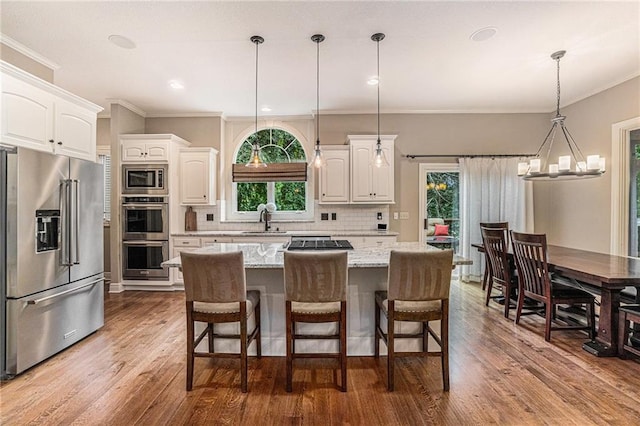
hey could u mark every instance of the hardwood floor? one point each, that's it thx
(132, 371)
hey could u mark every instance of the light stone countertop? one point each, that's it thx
(271, 255)
(223, 233)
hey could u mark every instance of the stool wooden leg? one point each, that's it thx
(210, 337)
(343, 345)
(289, 337)
(258, 336)
(376, 337)
(390, 346)
(444, 338)
(190, 349)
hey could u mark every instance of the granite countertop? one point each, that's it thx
(271, 255)
(222, 233)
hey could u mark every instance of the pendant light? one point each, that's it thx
(379, 159)
(256, 159)
(593, 166)
(318, 161)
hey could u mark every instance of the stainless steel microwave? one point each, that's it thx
(144, 179)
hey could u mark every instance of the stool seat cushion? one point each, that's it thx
(228, 308)
(315, 308)
(414, 306)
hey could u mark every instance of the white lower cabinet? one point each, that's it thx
(361, 241)
(181, 244)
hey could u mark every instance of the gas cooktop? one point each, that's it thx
(320, 245)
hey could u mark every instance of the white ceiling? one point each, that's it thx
(427, 60)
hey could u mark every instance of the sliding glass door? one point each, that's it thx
(439, 203)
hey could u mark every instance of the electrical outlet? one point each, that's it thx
(404, 215)
(379, 215)
(395, 215)
(209, 217)
(334, 216)
(324, 216)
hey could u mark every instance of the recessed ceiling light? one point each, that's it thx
(373, 80)
(265, 108)
(175, 84)
(483, 34)
(122, 41)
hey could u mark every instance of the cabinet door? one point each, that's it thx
(133, 152)
(382, 182)
(334, 177)
(157, 152)
(75, 131)
(27, 115)
(361, 188)
(195, 180)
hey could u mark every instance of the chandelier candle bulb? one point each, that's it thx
(601, 163)
(553, 169)
(564, 163)
(523, 168)
(593, 162)
(534, 165)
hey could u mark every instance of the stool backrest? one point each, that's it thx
(419, 275)
(315, 277)
(530, 252)
(214, 277)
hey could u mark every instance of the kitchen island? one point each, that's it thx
(367, 274)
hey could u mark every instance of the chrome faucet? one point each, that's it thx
(266, 216)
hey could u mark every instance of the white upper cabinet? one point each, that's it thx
(198, 176)
(41, 116)
(145, 151)
(334, 175)
(371, 184)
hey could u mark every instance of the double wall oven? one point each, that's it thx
(145, 222)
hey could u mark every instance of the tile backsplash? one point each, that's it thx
(347, 218)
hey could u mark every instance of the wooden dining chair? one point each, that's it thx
(417, 290)
(530, 251)
(495, 247)
(487, 266)
(216, 292)
(316, 292)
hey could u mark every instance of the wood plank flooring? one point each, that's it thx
(132, 371)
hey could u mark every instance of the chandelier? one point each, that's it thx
(572, 166)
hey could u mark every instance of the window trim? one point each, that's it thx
(308, 214)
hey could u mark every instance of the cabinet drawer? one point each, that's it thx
(209, 241)
(186, 242)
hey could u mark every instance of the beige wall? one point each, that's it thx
(21, 61)
(103, 136)
(200, 131)
(436, 134)
(123, 121)
(578, 214)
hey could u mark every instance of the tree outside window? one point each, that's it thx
(277, 146)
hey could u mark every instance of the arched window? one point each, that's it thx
(277, 146)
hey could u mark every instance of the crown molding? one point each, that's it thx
(127, 105)
(185, 114)
(31, 54)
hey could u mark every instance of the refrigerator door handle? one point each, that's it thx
(76, 222)
(65, 203)
(53, 296)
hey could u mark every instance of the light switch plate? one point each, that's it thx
(395, 215)
(404, 215)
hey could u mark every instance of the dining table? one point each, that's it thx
(602, 274)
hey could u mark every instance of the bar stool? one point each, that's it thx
(418, 290)
(316, 292)
(216, 292)
(627, 314)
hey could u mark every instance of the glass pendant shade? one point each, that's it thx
(318, 158)
(256, 159)
(571, 165)
(379, 157)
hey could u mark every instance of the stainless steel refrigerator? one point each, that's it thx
(51, 264)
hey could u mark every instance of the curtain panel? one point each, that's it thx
(490, 191)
